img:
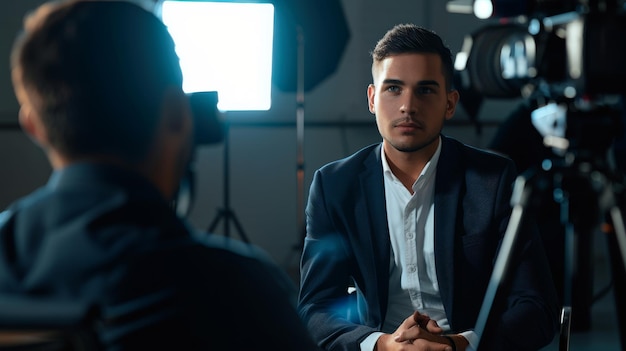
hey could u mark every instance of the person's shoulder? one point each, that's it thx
(353, 161)
(229, 247)
(26, 204)
(4, 217)
(475, 154)
(236, 255)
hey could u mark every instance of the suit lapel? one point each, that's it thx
(376, 232)
(447, 189)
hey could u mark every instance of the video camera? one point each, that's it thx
(567, 60)
(207, 120)
(565, 57)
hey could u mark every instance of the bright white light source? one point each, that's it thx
(483, 9)
(224, 47)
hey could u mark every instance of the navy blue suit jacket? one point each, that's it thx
(347, 242)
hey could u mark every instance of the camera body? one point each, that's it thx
(566, 58)
(564, 48)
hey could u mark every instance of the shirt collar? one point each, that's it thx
(427, 172)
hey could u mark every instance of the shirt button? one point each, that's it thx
(411, 268)
(409, 236)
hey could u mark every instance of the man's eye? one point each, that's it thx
(393, 89)
(425, 90)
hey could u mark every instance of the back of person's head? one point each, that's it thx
(410, 38)
(95, 72)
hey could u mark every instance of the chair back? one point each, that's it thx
(32, 324)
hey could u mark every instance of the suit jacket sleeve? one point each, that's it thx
(324, 304)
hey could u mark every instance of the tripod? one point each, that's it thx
(225, 213)
(573, 180)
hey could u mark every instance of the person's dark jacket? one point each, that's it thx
(347, 241)
(103, 239)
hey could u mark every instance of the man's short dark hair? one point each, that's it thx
(410, 38)
(97, 72)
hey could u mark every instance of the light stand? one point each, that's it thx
(300, 191)
(300, 221)
(225, 213)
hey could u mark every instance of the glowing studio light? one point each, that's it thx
(224, 47)
(483, 9)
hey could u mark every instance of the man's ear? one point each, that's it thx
(29, 118)
(452, 101)
(33, 126)
(371, 93)
(172, 145)
(176, 111)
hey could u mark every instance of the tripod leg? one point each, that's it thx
(582, 280)
(617, 248)
(620, 231)
(216, 221)
(568, 284)
(522, 192)
(239, 228)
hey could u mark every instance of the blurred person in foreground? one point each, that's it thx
(100, 90)
(413, 225)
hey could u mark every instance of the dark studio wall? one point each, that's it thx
(264, 191)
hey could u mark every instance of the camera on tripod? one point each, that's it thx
(566, 57)
(567, 60)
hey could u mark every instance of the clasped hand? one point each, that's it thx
(417, 333)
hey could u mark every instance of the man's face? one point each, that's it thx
(410, 100)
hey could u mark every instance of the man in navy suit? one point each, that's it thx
(413, 225)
